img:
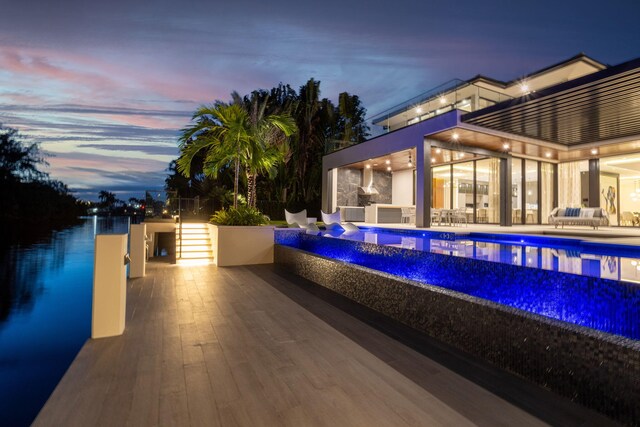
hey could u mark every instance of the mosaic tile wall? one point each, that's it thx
(382, 182)
(349, 180)
(598, 370)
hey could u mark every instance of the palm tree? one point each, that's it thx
(269, 133)
(233, 133)
(222, 130)
(107, 199)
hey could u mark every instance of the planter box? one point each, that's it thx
(239, 245)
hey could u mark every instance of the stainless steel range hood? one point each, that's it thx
(367, 183)
(367, 190)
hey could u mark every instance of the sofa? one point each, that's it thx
(593, 217)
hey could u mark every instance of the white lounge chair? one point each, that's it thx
(296, 220)
(331, 221)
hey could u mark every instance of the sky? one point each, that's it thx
(106, 86)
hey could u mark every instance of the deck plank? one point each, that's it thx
(214, 346)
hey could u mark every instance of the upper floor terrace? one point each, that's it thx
(472, 95)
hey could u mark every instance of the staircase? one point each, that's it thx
(195, 246)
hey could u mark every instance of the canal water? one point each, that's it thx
(45, 313)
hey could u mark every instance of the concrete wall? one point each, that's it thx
(238, 245)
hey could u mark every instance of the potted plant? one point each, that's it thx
(240, 236)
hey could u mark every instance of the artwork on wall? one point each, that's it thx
(609, 196)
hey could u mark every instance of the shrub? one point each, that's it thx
(242, 215)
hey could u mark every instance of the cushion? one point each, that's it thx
(587, 213)
(572, 212)
(561, 212)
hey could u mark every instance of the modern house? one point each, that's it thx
(499, 152)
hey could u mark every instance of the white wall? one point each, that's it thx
(334, 190)
(402, 187)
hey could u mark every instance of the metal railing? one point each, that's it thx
(453, 95)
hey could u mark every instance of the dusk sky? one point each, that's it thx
(105, 86)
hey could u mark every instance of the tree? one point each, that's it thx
(233, 133)
(269, 133)
(19, 162)
(221, 130)
(352, 126)
(107, 199)
(27, 195)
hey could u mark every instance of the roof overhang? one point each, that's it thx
(593, 109)
(467, 135)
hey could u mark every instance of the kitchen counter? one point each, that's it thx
(379, 213)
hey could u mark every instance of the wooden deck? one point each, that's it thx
(207, 346)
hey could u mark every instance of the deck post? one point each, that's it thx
(109, 285)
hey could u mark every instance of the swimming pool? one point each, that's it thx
(592, 285)
(554, 311)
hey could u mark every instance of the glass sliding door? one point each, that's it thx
(463, 188)
(441, 187)
(626, 171)
(531, 188)
(547, 193)
(516, 191)
(573, 184)
(488, 191)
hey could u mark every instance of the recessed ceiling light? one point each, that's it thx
(389, 168)
(594, 151)
(443, 100)
(506, 146)
(388, 161)
(368, 166)
(455, 136)
(433, 160)
(419, 110)
(410, 164)
(524, 88)
(548, 154)
(438, 151)
(461, 155)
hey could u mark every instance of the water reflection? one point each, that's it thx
(572, 258)
(45, 313)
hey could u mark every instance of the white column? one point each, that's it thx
(138, 251)
(109, 286)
